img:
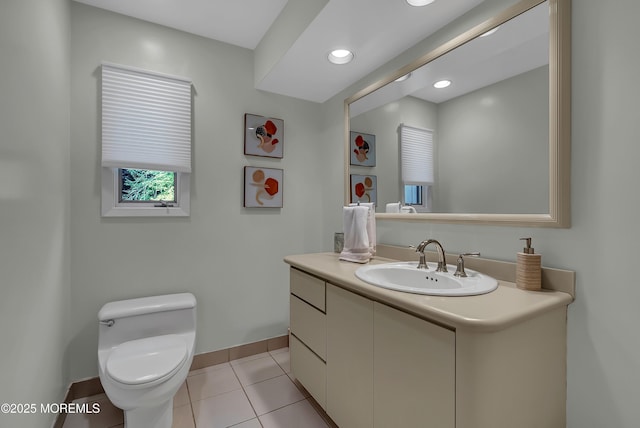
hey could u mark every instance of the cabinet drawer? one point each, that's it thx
(308, 288)
(310, 370)
(309, 325)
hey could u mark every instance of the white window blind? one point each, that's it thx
(416, 154)
(146, 120)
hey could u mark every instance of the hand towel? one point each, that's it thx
(356, 239)
(371, 225)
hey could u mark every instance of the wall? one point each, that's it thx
(228, 256)
(34, 201)
(601, 245)
(499, 136)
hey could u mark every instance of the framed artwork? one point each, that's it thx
(263, 136)
(262, 187)
(362, 148)
(364, 188)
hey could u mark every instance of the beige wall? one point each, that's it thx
(228, 256)
(34, 198)
(601, 245)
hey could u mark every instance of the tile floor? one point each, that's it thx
(252, 392)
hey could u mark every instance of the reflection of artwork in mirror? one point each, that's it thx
(363, 149)
(263, 136)
(364, 188)
(262, 187)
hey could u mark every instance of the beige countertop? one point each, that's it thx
(505, 306)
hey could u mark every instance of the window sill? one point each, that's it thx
(144, 212)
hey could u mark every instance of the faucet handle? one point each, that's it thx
(422, 263)
(460, 268)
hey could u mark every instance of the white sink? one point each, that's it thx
(406, 277)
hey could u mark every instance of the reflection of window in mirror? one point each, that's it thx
(416, 166)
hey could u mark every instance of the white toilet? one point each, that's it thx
(145, 350)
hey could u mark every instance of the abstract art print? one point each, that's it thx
(362, 148)
(364, 188)
(262, 187)
(263, 136)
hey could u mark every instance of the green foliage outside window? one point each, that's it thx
(147, 185)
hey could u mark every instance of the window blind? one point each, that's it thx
(416, 154)
(146, 120)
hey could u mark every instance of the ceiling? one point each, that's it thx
(291, 40)
(517, 46)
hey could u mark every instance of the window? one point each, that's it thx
(144, 185)
(413, 194)
(416, 158)
(146, 143)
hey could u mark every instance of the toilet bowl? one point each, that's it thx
(145, 350)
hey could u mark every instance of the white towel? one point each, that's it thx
(356, 239)
(371, 225)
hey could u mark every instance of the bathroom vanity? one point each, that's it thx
(373, 357)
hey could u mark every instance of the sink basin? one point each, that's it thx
(406, 277)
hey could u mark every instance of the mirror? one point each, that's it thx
(500, 131)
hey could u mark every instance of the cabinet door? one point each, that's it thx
(349, 359)
(414, 371)
(309, 370)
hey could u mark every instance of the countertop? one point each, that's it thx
(494, 311)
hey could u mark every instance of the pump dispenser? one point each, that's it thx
(528, 268)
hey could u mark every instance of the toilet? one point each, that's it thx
(145, 350)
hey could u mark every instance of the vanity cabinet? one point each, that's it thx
(307, 343)
(413, 371)
(369, 362)
(349, 358)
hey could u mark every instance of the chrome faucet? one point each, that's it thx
(442, 260)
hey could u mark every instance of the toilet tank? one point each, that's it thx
(146, 317)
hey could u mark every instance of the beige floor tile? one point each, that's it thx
(253, 423)
(249, 358)
(223, 410)
(183, 417)
(182, 396)
(279, 350)
(257, 370)
(108, 416)
(217, 380)
(272, 394)
(282, 358)
(207, 369)
(297, 415)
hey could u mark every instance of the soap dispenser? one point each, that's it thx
(528, 268)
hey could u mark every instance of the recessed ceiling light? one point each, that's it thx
(340, 56)
(490, 32)
(442, 84)
(420, 2)
(403, 78)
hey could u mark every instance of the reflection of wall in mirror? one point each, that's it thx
(491, 146)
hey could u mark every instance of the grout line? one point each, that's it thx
(193, 414)
(271, 411)
(245, 395)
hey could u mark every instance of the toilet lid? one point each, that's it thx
(142, 361)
